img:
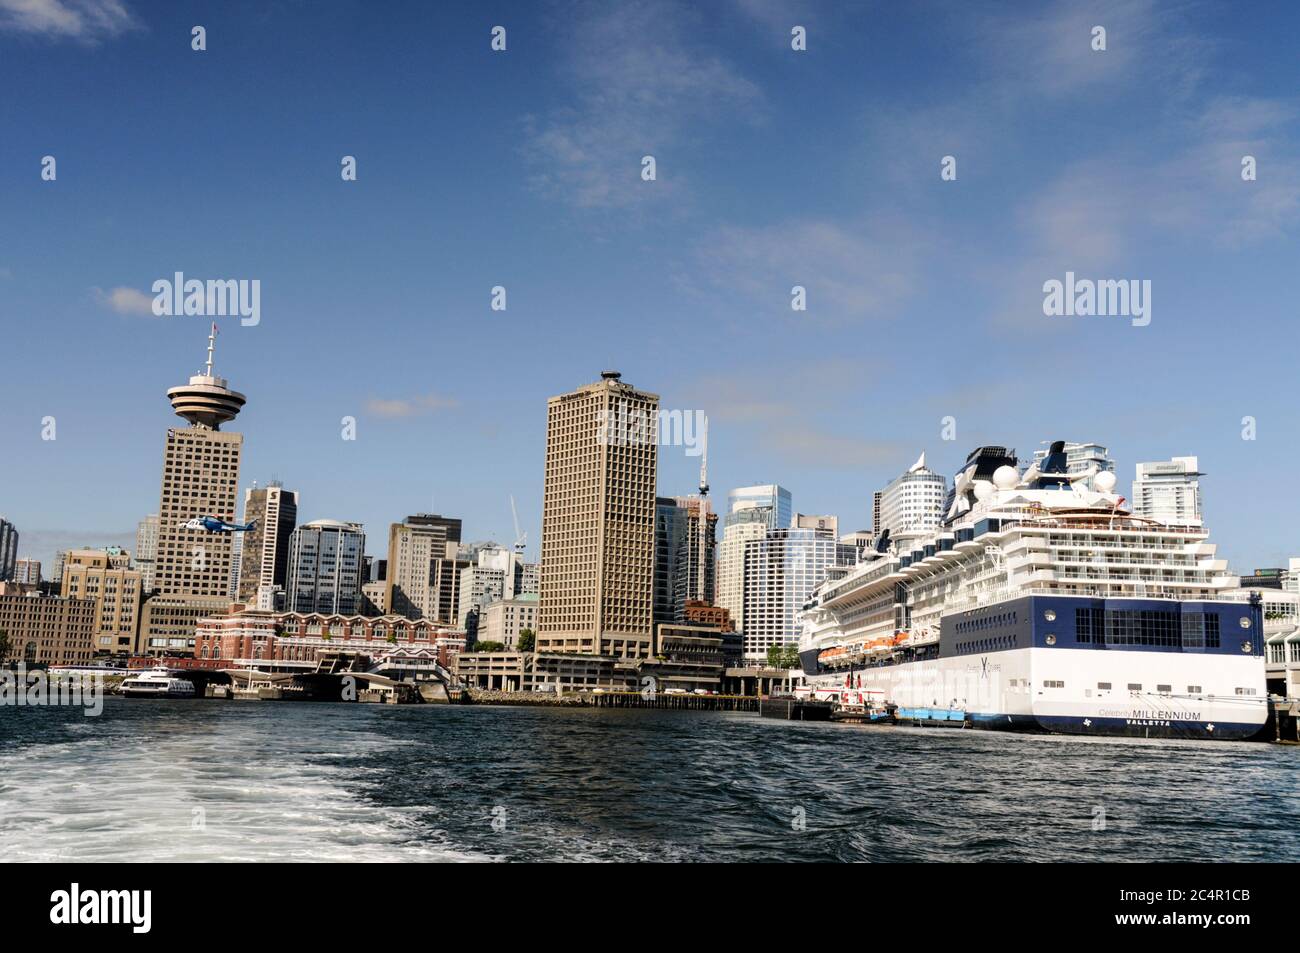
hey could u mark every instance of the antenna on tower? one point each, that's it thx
(212, 343)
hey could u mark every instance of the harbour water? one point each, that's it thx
(153, 780)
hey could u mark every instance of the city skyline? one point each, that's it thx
(69, 540)
(390, 322)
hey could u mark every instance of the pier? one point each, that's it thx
(795, 709)
(1285, 715)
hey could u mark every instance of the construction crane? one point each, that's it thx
(703, 511)
(521, 539)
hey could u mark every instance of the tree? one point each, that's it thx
(783, 656)
(527, 639)
(488, 646)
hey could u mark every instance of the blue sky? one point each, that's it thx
(775, 168)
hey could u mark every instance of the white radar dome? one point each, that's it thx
(1005, 477)
(983, 489)
(1104, 481)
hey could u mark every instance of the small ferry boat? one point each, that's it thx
(157, 683)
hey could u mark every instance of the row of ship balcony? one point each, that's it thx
(1063, 558)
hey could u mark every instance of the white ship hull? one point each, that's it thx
(1051, 690)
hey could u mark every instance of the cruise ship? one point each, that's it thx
(1040, 603)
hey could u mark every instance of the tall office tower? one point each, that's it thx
(200, 477)
(273, 510)
(913, 504)
(751, 512)
(875, 512)
(424, 569)
(1169, 491)
(678, 546)
(106, 576)
(60, 558)
(146, 550)
(27, 572)
(1081, 457)
(8, 549)
(670, 555)
(598, 521)
(324, 568)
(769, 496)
(781, 571)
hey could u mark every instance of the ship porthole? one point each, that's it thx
(1245, 622)
(1051, 639)
(1246, 646)
(1050, 615)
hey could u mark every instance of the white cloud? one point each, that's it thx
(85, 20)
(125, 300)
(637, 86)
(409, 407)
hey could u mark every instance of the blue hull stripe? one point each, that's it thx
(1126, 727)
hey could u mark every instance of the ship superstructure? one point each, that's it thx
(1042, 603)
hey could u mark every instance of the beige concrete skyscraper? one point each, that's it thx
(423, 568)
(598, 521)
(200, 478)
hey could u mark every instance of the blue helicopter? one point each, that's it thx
(214, 525)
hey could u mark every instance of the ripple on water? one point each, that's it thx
(194, 781)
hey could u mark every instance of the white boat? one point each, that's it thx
(91, 669)
(157, 682)
(1043, 604)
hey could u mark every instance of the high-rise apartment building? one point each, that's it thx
(27, 572)
(781, 571)
(424, 567)
(324, 568)
(751, 512)
(598, 521)
(264, 559)
(106, 577)
(1169, 491)
(912, 505)
(146, 550)
(8, 549)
